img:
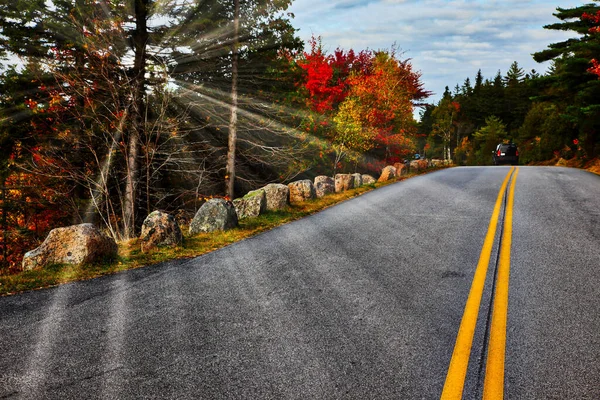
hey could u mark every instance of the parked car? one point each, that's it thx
(506, 154)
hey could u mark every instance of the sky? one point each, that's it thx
(447, 41)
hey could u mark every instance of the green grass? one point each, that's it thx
(131, 257)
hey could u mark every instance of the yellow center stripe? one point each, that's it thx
(457, 371)
(493, 387)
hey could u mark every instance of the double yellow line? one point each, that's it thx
(494, 373)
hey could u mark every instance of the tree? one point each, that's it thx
(29, 204)
(478, 81)
(514, 75)
(466, 89)
(203, 69)
(594, 19)
(234, 102)
(516, 98)
(113, 62)
(369, 96)
(445, 115)
(324, 91)
(424, 128)
(543, 132)
(75, 31)
(487, 138)
(350, 136)
(572, 80)
(386, 95)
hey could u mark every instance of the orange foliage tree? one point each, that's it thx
(361, 102)
(385, 98)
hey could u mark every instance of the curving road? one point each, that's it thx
(361, 301)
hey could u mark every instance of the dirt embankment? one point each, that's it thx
(592, 165)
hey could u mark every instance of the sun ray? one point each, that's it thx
(116, 327)
(40, 358)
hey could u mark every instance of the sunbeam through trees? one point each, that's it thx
(123, 101)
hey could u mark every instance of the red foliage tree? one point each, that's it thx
(369, 96)
(323, 92)
(326, 75)
(595, 19)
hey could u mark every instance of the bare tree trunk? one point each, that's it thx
(140, 39)
(131, 186)
(234, 103)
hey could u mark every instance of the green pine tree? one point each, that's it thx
(569, 79)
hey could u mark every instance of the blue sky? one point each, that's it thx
(446, 40)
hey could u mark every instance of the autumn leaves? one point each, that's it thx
(362, 101)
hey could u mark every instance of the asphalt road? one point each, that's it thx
(360, 301)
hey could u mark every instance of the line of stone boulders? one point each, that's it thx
(85, 244)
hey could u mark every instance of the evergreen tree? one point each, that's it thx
(204, 71)
(516, 98)
(478, 81)
(447, 94)
(542, 132)
(466, 89)
(487, 138)
(570, 80)
(498, 80)
(514, 75)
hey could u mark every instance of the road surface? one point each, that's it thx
(363, 300)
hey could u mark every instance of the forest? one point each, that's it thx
(116, 108)
(549, 116)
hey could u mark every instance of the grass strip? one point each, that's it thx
(131, 257)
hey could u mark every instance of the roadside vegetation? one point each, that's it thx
(131, 257)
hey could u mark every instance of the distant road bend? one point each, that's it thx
(469, 283)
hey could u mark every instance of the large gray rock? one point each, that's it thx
(358, 181)
(324, 185)
(252, 204)
(278, 196)
(214, 215)
(368, 179)
(77, 244)
(160, 229)
(343, 182)
(387, 173)
(302, 191)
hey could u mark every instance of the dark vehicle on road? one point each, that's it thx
(506, 154)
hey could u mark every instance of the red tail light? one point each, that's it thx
(498, 153)
(517, 153)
